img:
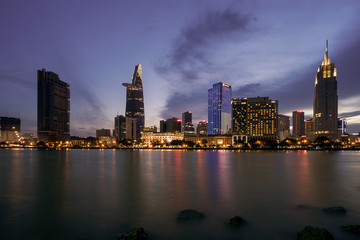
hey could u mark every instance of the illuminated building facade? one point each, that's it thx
(219, 109)
(201, 128)
(255, 118)
(326, 99)
(309, 126)
(9, 129)
(102, 133)
(283, 126)
(120, 128)
(298, 123)
(342, 125)
(53, 109)
(186, 123)
(135, 100)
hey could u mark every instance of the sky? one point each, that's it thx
(260, 48)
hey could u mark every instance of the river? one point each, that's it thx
(97, 194)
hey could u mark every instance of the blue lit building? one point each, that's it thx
(219, 109)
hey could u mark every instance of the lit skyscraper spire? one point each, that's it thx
(135, 100)
(326, 99)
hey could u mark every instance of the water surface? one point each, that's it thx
(98, 194)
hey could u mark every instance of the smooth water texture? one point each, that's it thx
(97, 194)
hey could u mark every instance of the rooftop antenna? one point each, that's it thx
(326, 52)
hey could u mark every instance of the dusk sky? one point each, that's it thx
(260, 48)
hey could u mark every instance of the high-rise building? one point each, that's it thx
(131, 128)
(135, 100)
(173, 125)
(342, 126)
(298, 123)
(219, 109)
(186, 123)
(9, 129)
(284, 126)
(120, 128)
(163, 126)
(309, 126)
(53, 108)
(255, 118)
(326, 99)
(201, 128)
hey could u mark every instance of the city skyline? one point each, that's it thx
(184, 50)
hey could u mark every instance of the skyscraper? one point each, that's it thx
(284, 126)
(53, 108)
(120, 128)
(219, 109)
(255, 118)
(135, 100)
(201, 128)
(186, 123)
(326, 99)
(173, 125)
(298, 123)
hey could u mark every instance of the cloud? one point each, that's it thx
(17, 79)
(191, 50)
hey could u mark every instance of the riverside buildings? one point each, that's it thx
(255, 118)
(219, 109)
(186, 123)
(170, 125)
(326, 99)
(120, 128)
(298, 123)
(9, 129)
(283, 126)
(201, 128)
(53, 109)
(135, 104)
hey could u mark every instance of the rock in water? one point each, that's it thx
(314, 233)
(236, 221)
(352, 228)
(335, 210)
(136, 233)
(189, 214)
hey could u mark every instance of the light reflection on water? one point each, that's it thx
(100, 193)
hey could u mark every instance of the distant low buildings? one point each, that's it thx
(103, 133)
(10, 129)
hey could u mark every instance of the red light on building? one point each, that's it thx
(178, 120)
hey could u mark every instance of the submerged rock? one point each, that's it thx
(314, 233)
(189, 214)
(335, 210)
(236, 221)
(136, 233)
(352, 228)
